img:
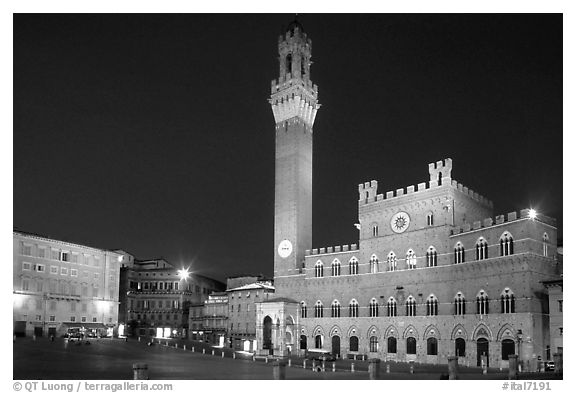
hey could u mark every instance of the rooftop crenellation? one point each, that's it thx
(501, 219)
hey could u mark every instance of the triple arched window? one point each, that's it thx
(459, 253)
(431, 257)
(411, 259)
(507, 301)
(353, 264)
(391, 261)
(373, 306)
(481, 249)
(353, 309)
(318, 310)
(335, 268)
(319, 269)
(431, 305)
(506, 244)
(410, 306)
(482, 303)
(391, 309)
(335, 308)
(459, 304)
(373, 264)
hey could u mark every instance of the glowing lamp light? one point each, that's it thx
(532, 213)
(183, 274)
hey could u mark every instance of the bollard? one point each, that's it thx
(323, 365)
(139, 338)
(352, 367)
(512, 366)
(304, 364)
(203, 351)
(254, 357)
(212, 352)
(452, 367)
(279, 369)
(374, 368)
(166, 342)
(222, 353)
(313, 364)
(192, 349)
(176, 345)
(334, 367)
(484, 362)
(184, 348)
(289, 362)
(387, 368)
(140, 370)
(411, 366)
(266, 359)
(558, 363)
(233, 355)
(34, 337)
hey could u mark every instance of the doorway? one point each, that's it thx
(482, 349)
(336, 346)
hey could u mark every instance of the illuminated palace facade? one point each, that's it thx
(434, 273)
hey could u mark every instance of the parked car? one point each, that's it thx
(549, 366)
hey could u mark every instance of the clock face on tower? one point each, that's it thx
(400, 222)
(285, 248)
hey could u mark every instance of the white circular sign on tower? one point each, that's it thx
(400, 222)
(285, 248)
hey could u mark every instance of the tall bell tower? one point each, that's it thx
(294, 101)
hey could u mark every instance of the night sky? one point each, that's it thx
(152, 133)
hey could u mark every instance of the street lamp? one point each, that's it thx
(184, 274)
(519, 336)
(532, 214)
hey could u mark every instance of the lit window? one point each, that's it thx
(373, 306)
(391, 309)
(391, 262)
(353, 265)
(373, 264)
(431, 257)
(335, 268)
(411, 259)
(410, 306)
(459, 253)
(431, 305)
(335, 308)
(353, 309)
(318, 310)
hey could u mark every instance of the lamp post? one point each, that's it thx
(519, 336)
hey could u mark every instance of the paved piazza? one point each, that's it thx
(112, 359)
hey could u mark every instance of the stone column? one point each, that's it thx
(374, 368)
(452, 367)
(512, 366)
(140, 371)
(279, 369)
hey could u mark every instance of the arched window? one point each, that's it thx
(481, 249)
(335, 268)
(353, 265)
(303, 310)
(318, 341)
(391, 344)
(353, 309)
(431, 257)
(429, 219)
(432, 346)
(319, 269)
(545, 242)
(373, 264)
(431, 305)
(373, 344)
(410, 306)
(459, 304)
(411, 346)
(353, 344)
(289, 63)
(482, 303)
(459, 253)
(335, 309)
(507, 305)
(506, 244)
(411, 259)
(508, 348)
(391, 310)
(318, 310)
(373, 307)
(460, 347)
(391, 261)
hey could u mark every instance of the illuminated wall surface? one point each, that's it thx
(58, 285)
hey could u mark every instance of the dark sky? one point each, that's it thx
(153, 133)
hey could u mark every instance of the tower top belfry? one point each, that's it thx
(293, 95)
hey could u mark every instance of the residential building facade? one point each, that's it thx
(59, 285)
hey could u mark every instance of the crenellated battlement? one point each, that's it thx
(283, 83)
(297, 37)
(331, 250)
(500, 219)
(367, 191)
